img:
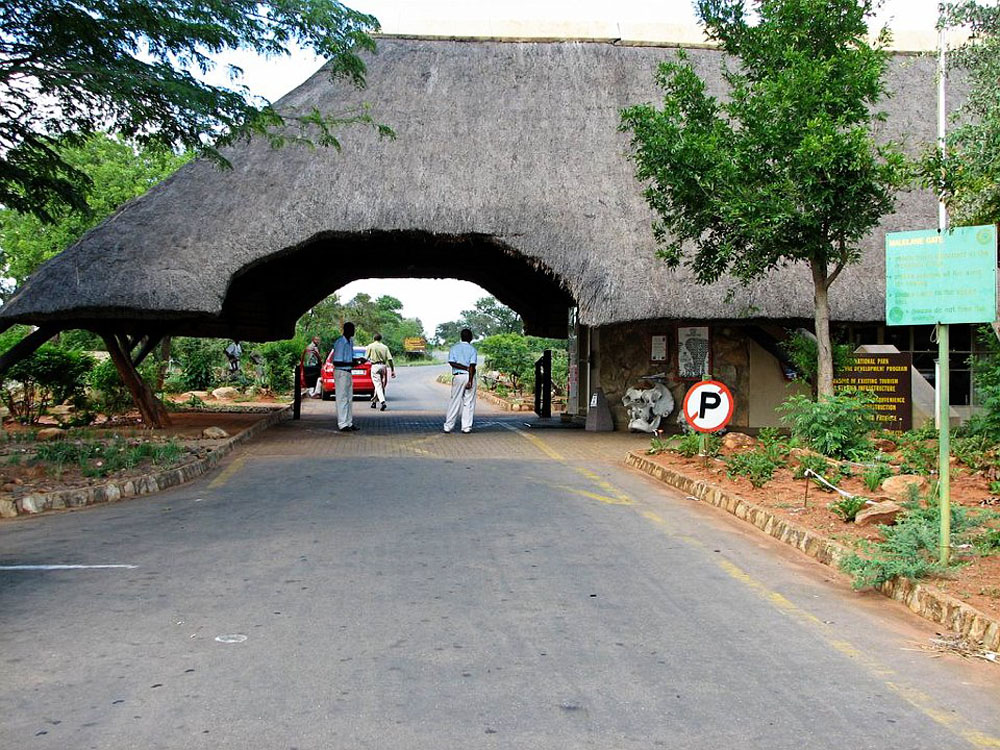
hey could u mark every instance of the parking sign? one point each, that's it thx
(708, 406)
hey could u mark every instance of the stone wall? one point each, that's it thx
(625, 358)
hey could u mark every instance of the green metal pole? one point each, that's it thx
(944, 449)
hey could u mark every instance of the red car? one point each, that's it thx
(360, 374)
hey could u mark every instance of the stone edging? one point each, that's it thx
(927, 601)
(140, 485)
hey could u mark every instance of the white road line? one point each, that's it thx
(63, 567)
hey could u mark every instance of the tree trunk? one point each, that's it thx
(153, 414)
(824, 350)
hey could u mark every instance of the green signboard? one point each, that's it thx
(941, 277)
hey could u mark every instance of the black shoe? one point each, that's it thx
(373, 404)
(384, 407)
(350, 428)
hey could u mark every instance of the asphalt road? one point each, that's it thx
(401, 588)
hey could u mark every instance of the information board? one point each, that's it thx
(888, 377)
(658, 348)
(941, 277)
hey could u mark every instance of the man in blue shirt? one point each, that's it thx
(462, 357)
(343, 363)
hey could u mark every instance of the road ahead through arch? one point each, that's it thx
(403, 588)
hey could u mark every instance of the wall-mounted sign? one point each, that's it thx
(658, 349)
(888, 377)
(708, 406)
(941, 277)
(694, 352)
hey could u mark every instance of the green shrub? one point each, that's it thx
(847, 507)
(657, 445)
(803, 354)
(987, 543)
(909, 548)
(200, 359)
(919, 452)
(975, 451)
(278, 360)
(756, 465)
(986, 377)
(838, 426)
(513, 356)
(874, 475)
(810, 462)
(111, 394)
(100, 459)
(690, 444)
(49, 376)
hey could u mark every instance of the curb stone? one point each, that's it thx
(925, 600)
(136, 486)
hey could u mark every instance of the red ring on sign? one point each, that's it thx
(723, 388)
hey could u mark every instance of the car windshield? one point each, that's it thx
(359, 352)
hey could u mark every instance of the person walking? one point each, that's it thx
(311, 364)
(379, 355)
(343, 363)
(233, 353)
(462, 357)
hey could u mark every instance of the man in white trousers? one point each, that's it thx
(379, 355)
(462, 357)
(343, 363)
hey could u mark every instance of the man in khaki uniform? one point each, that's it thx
(379, 355)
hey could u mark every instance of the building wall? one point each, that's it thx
(624, 357)
(768, 387)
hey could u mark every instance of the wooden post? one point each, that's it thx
(154, 415)
(26, 347)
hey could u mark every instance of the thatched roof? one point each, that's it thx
(508, 170)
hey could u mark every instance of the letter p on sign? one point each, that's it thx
(708, 406)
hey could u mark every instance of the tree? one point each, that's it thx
(967, 176)
(786, 169)
(448, 333)
(70, 68)
(491, 317)
(116, 172)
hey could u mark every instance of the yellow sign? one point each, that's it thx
(415, 344)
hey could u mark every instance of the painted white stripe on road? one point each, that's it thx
(63, 567)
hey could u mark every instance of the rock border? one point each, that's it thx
(33, 504)
(925, 600)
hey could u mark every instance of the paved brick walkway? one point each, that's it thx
(408, 433)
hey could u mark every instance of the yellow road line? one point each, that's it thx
(922, 702)
(227, 473)
(592, 495)
(919, 700)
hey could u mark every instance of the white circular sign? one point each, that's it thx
(708, 406)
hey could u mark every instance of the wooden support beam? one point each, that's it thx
(154, 415)
(26, 347)
(148, 345)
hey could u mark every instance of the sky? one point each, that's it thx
(438, 301)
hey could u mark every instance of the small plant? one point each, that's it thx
(772, 444)
(810, 462)
(837, 426)
(910, 548)
(756, 465)
(848, 507)
(995, 487)
(975, 451)
(987, 543)
(920, 452)
(690, 445)
(657, 445)
(194, 401)
(874, 475)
